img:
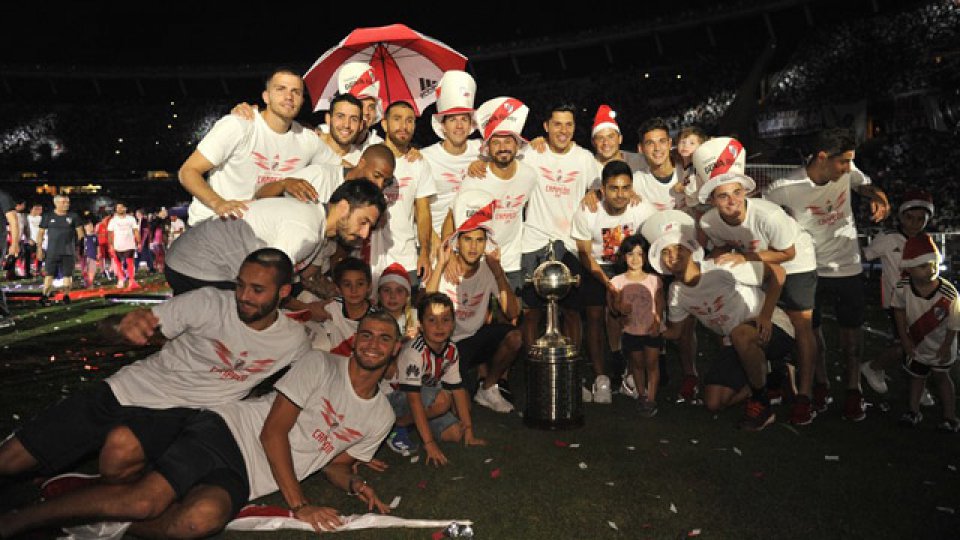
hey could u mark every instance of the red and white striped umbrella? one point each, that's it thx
(407, 63)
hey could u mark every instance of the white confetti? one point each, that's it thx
(737, 451)
(78, 320)
(56, 327)
(673, 508)
(575, 445)
(694, 441)
(631, 448)
(488, 460)
(952, 468)
(415, 459)
(695, 532)
(831, 458)
(455, 478)
(16, 417)
(664, 441)
(611, 484)
(582, 465)
(946, 509)
(395, 503)
(613, 525)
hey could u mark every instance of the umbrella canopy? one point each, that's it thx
(407, 63)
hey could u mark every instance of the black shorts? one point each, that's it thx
(726, 369)
(631, 343)
(530, 261)
(480, 347)
(61, 265)
(592, 291)
(77, 426)
(181, 283)
(845, 295)
(919, 370)
(799, 292)
(205, 453)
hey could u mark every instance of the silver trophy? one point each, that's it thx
(554, 398)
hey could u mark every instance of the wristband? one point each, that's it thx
(299, 507)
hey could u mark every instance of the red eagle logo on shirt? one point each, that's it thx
(237, 367)
(829, 213)
(465, 300)
(453, 179)
(275, 164)
(559, 177)
(335, 424)
(512, 201)
(392, 192)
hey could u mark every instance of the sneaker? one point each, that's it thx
(492, 399)
(949, 425)
(66, 299)
(399, 441)
(628, 388)
(926, 399)
(802, 412)
(121, 284)
(601, 390)
(65, 483)
(101, 530)
(911, 419)
(689, 389)
(775, 396)
(853, 408)
(647, 407)
(876, 378)
(44, 300)
(821, 397)
(757, 416)
(586, 395)
(505, 390)
(6, 322)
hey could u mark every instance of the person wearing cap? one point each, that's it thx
(450, 158)
(747, 229)
(406, 232)
(818, 195)
(912, 217)
(598, 236)
(241, 155)
(738, 302)
(393, 296)
(656, 180)
(359, 80)
(506, 180)
(607, 138)
(490, 347)
(927, 312)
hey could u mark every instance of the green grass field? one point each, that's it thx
(681, 474)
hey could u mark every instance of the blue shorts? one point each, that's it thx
(428, 394)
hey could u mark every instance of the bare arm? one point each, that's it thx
(585, 251)
(419, 413)
(424, 235)
(40, 234)
(339, 472)
(191, 178)
(14, 225)
(879, 204)
(506, 297)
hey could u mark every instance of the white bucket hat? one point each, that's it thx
(667, 228)
(358, 80)
(719, 161)
(455, 94)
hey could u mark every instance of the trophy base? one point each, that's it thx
(554, 396)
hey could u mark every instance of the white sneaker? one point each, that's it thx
(586, 394)
(102, 530)
(492, 399)
(926, 400)
(601, 390)
(628, 387)
(874, 377)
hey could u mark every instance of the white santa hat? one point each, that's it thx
(455, 94)
(720, 161)
(473, 209)
(919, 250)
(359, 80)
(916, 199)
(395, 273)
(502, 115)
(667, 228)
(605, 119)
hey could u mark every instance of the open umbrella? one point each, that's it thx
(407, 63)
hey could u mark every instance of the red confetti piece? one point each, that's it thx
(495, 473)
(759, 474)
(438, 535)
(560, 444)
(118, 355)
(422, 484)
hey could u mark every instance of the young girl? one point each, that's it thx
(393, 295)
(639, 298)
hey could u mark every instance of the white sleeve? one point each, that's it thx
(425, 184)
(224, 138)
(748, 273)
(953, 319)
(780, 232)
(304, 377)
(857, 177)
(189, 310)
(581, 227)
(409, 368)
(296, 240)
(875, 249)
(899, 300)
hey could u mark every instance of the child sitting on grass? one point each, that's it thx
(428, 372)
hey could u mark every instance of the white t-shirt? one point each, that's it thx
(122, 229)
(340, 329)
(215, 248)
(396, 240)
(34, 223)
(333, 419)
(888, 247)
(419, 366)
(212, 357)
(660, 195)
(247, 154)
(824, 212)
(176, 229)
(635, 160)
(507, 223)
(563, 179)
(929, 319)
(471, 300)
(448, 172)
(766, 226)
(606, 232)
(353, 156)
(725, 297)
(324, 178)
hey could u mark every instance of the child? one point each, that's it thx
(927, 312)
(688, 140)
(429, 372)
(639, 298)
(91, 250)
(393, 295)
(352, 277)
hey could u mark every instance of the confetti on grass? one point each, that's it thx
(583, 465)
(422, 484)
(673, 508)
(831, 458)
(395, 503)
(495, 473)
(695, 532)
(415, 459)
(946, 509)
(613, 525)
(575, 445)
(560, 444)
(737, 451)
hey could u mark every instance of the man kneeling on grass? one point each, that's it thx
(326, 414)
(428, 372)
(730, 301)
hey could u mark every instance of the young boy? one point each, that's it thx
(352, 277)
(428, 372)
(927, 312)
(91, 251)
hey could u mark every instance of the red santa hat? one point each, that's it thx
(605, 119)
(917, 198)
(919, 250)
(395, 273)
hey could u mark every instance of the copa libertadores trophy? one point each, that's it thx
(554, 399)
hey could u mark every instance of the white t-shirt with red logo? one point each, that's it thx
(471, 300)
(333, 419)
(888, 247)
(214, 250)
(340, 330)
(122, 229)
(725, 297)
(418, 366)
(606, 232)
(766, 226)
(507, 224)
(449, 171)
(563, 179)
(212, 357)
(396, 240)
(324, 178)
(661, 195)
(929, 319)
(826, 213)
(247, 154)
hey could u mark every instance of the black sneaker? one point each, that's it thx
(44, 300)
(911, 419)
(66, 299)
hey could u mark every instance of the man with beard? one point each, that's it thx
(208, 254)
(241, 155)
(607, 139)
(344, 120)
(220, 345)
(326, 414)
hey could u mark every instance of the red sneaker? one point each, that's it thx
(65, 483)
(821, 397)
(853, 408)
(689, 389)
(802, 412)
(757, 416)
